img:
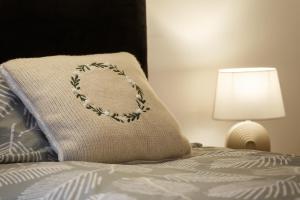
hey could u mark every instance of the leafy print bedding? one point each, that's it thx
(21, 140)
(208, 174)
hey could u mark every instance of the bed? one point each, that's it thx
(35, 29)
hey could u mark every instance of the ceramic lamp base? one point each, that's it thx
(248, 135)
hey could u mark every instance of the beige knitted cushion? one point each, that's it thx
(96, 108)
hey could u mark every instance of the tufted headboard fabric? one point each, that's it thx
(34, 28)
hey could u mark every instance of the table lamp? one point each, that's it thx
(248, 94)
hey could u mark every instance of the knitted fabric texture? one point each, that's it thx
(97, 108)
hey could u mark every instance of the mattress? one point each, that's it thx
(208, 174)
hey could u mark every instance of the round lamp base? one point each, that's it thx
(248, 135)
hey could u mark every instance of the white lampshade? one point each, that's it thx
(248, 93)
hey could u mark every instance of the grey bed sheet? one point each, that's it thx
(208, 174)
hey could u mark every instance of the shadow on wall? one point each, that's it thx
(189, 40)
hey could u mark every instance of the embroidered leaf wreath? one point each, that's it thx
(124, 117)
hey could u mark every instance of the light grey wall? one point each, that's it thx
(189, 40)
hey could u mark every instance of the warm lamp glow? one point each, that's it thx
(248, 93)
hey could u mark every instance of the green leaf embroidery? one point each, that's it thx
(122, 118)
(83, 68)
(75, 81)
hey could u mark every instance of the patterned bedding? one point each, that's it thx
(209, 174)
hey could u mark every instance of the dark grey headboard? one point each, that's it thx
(33, 28)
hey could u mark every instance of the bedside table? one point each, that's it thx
(196, 145)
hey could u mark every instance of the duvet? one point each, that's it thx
(208, 174)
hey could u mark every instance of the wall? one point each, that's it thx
(189, 40)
